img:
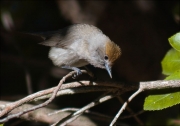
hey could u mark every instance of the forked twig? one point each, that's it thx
(143, 86)
(108, 86)
(95, 113)
(131, 112)
(124, 106)
(40, 105)
(73, 116)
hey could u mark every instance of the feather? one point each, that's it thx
(112, 51)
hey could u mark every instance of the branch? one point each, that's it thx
(44, 94)
(38, 106)
(124, 107)
(73, 116)
(79, 112)
(84, 87)
(131, 112)
(152, 85)
(42, 115)
(160, 84)
(104, 117)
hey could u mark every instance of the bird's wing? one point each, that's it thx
(61, 38)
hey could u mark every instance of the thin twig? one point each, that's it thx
(142, 86)
(9, 107)
(27, 73)
(131, 112)
(28, 81)
(130, 116)
(77, 109)
(95, 113)
(124, 106)
(50, 116)
(151, 85)
(44, 94)
(78, 90)
(40, 105)
(41, 115)
(73, 116)
(119, 85)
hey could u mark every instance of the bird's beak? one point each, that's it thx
(108, 68)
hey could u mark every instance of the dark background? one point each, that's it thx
(140, 28)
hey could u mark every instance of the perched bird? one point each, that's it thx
(79, 45)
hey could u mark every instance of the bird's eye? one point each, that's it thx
(106, 57)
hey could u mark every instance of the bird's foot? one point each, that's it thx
(77, 70)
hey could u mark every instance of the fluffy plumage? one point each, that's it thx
(79, 45)
(112, 51)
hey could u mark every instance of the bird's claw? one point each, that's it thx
(78, 72)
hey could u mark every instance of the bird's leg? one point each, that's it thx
(78, 71)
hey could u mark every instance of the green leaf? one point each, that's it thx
(174, 76)
(161, 101)
(171, 62)
(170, 66)
(175, 41)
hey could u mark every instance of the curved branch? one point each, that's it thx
(9, 108)
(84, 87)
(143, 86)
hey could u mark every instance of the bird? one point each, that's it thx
(79, 45)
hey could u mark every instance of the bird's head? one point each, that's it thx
(112, 53)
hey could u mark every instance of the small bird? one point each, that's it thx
(79, 45)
